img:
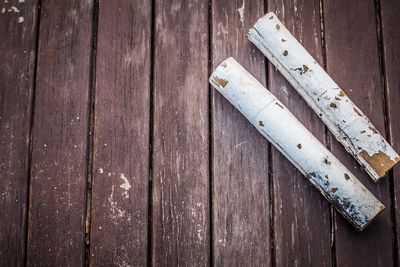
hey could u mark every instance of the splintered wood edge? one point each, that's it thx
(380, 162)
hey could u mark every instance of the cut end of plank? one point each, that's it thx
(360, 228)
(380, 162)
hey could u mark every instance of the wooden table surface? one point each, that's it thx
(115, 151)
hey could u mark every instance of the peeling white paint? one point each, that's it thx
(20, 19)
(241, 12)
(222, 242)
(125, 185)
(116, 212)
(199, 234)
(345, 120)
(272, 119)
(101, 170)
(13, 9)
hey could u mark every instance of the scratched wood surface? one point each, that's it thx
(301, 214)
(180, 208)
(17, 52)
(353, 61)
(115, 151)
(59, 135)
(240, 190)
(120, 181)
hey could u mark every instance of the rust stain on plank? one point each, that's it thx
(220, 81)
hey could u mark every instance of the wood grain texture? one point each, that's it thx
(390, 11)
(353, 62)
(17, 52)
(240, 154)
(180, 212)
(121, 135)
(58, 174)
(301, 214)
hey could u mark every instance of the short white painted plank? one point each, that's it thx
(345, 120)
(296, 143)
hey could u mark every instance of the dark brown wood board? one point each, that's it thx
(17, 53)
(240, 185)
(58, 170)
(353, 62)
(301, 214)
(121, 135)
(390, 23)
(180, 210)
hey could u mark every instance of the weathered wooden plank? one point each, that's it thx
(240, 183)
(17, 51)
(58, 173)
(390, 10)
(180, 211)
(352, 61)
(121, 135)
(278, 125)
(344, 119)
(301, 215)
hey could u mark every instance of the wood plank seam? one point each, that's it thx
(210, 135)
(30, 133)
(90, 134)
(151, 136)
(327, 134)
(271, 191)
